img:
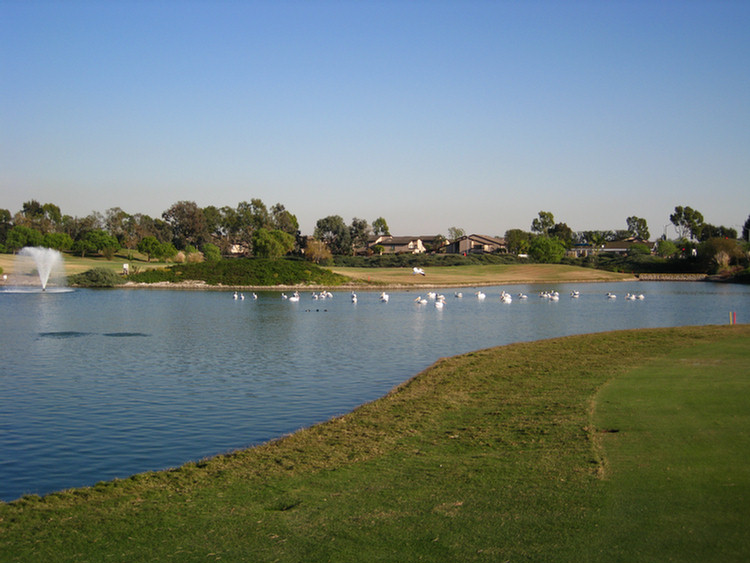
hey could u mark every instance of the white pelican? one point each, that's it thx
(458, 295)
(641, 296)
(431, 295)
(284, 296)
(611, 295)
(255, 296)
(439, 304)
(418, 271)
(384, 297)
(236, 295)
(420, 300)
(630, 297)
(242, 296)
(523, 296)
(480, 295)
(575, 294)
(295, 296)
(354, 297)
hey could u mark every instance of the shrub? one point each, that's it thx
(97, 277)
(194, 257)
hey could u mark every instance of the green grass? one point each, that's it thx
(245, 272)
(497, 455)
(678, 472)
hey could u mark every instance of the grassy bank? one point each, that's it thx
(475, 275)
(497, 455)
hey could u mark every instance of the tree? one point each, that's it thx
(717, 253)
(666, 248)
(317, 251)
(272, 244)
(637, 227)
(58, 241)
(709, 231)
(20, 236)
(44, 218)
(149, 246)
(563, 233)
(187, 222)
(96, 240)
(687, 221)
(517, 241)
(282, 220)
(437, 243)
(455, 233)
(746, 230)
(5, 224)
(359, 233)
(211, 252)
(639, 249)
(543, 224)
(546, 249)
(116, 222)
(380, 227)
(333, 232)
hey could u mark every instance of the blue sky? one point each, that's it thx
(430, 114)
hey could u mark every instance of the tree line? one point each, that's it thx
(253, 229)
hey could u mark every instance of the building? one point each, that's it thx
(476, 244)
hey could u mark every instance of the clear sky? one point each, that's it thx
(431, 114)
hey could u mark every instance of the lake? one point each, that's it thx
(99, 384)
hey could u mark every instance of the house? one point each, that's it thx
(619, 247)
(476, 244)
(397, 245)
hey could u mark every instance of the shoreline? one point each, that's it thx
(200, 285)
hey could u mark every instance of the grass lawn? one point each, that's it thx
(677, 476)
(476, 275)
(497, 455)
(76, 264)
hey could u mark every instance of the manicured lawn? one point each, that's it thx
(490, 274)
(678, 466)
(496, 455)
(76, 264)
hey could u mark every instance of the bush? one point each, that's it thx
(97, 277)
(244, 271)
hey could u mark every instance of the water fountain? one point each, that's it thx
(38, 268)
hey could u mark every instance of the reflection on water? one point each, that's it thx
(104, 384)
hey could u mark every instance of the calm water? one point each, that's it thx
(102, 384)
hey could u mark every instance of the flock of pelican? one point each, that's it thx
(439, 299)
